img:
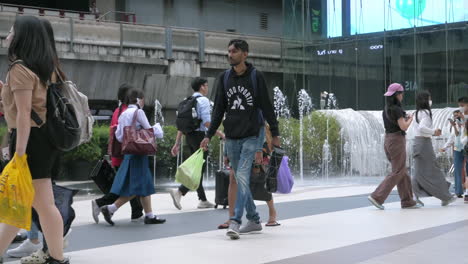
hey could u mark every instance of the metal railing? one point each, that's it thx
(127, 17)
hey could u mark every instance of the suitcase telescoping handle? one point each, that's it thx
(221, 154)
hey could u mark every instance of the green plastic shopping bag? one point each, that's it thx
(189, 173)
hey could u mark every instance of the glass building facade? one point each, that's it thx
(356, 48)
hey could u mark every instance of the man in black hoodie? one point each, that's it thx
(242, 94)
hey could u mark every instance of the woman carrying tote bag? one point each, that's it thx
(134, 177)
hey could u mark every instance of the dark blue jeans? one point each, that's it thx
(458, 162)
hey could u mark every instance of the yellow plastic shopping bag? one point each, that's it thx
(16, 193)
(189, 173)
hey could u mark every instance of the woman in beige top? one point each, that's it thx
(32, 65)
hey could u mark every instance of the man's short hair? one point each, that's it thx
(456, 111)
(197, 83)
(239, 44)
(463, 100)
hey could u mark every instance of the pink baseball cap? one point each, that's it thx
(393, 88)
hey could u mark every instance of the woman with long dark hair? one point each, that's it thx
(33, 65)
(428, 179)
(134, 178)
(396, 122)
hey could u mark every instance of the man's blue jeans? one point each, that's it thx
(458, 162)
(241, 153)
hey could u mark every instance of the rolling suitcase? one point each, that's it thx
(221, 190)
(221, 181)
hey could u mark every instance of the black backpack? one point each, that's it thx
(187, 119)
(62, 124)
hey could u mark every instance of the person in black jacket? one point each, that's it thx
(243, 96)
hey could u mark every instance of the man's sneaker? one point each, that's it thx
(375, 203)
(251, 227)
(95, 211)
(205, 205)
(38, 257)
(51, 260)
(25, 249)
(154, 221)
(176, 197)
(451, 200)
(20, 237)
(233, 231)
(107, 214)
(466, 198)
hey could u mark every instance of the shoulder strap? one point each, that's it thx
(253, 78)
(135, 115)
(226, 75)
(21, 62)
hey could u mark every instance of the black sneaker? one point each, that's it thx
(136, 215)
(466, 198)
(51, 260)
(460, 196)
(154, 221)
(107, 215)
(20, 237)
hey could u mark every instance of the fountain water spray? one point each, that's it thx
(305, 106)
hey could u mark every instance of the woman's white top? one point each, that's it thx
(464, 138)
(424, 126)
(126, 119)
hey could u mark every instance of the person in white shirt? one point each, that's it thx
(134, 177)
(428, 179)
(455, 143)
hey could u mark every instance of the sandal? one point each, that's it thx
(272, 223)
(225, 225)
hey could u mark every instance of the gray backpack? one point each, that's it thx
(79, 101)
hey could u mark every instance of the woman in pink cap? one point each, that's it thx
(396, 122)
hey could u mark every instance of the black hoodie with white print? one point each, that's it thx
(241, 104)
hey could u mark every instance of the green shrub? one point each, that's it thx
(314, 135)
(165, 146)
(90, 151)
(93, 150)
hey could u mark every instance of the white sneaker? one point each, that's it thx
(25, 249)
(95, 211)
(205, 204)
(38, 257)
(176, 197)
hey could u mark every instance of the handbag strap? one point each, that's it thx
(135, 115)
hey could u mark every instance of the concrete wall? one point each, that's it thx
(99, 56)
(243, 16)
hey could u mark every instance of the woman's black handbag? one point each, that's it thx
(103, 175)
(258, 185)
(272, 170)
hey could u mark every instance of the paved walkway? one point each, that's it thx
(319, 225)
